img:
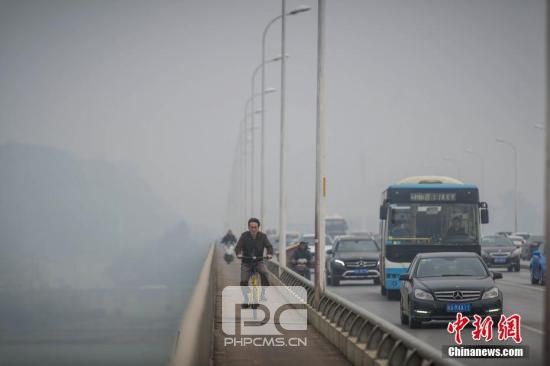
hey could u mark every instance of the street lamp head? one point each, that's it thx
(300, 9)
(539, 126)
(269, 90)
(277, 58)
(498, 139)
(469, 150)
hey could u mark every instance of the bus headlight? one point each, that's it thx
(423, 295)
(490, 294)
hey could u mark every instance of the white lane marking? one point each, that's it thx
(532, 329)
(515, 284)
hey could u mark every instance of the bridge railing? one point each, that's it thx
(193, 344)
(363, 337)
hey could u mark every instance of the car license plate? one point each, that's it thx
(362, 271)
(455, 308)
(500, 260)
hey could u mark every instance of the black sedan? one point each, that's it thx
(352, 258)
(438, 285)
(500, 251)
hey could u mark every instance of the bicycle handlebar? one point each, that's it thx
(253, 257)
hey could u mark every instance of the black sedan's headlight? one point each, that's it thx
(339, 262)
(490, 294)
(423, 295)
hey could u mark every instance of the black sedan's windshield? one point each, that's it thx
(450, 266)
(363, 245)
(496, 241)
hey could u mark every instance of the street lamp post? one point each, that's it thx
(298, 10)
(252, 97)
(320, 176)
(252, 127)
(282, 192)
(244, 156)
(546, 155)
(509, 143)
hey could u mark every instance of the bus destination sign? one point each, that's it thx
(433, 197)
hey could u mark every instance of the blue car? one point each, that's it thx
(538, 266)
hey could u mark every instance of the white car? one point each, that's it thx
(524, 235)
(517, 240)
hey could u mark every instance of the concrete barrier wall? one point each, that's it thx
(364, 338)
(193, 343)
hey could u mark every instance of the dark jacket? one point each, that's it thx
(250, 247)
(229, 239)
(299, 254)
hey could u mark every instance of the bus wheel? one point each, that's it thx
(393, 294)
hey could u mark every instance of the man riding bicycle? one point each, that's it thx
(301, 259)
(250, 249)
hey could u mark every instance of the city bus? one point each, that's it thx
(426, 214)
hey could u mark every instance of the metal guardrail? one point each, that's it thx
(193, 344)
(363, 337)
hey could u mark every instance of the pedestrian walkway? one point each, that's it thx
(318, 351)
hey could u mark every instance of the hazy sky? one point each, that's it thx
(161, 85)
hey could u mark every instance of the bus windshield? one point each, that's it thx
(425, 223)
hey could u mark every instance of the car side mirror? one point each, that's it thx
(497, 275)
(383, 211)
(405, 277)
(329, 252)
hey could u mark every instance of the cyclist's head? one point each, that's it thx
(303, 245)
(253, 225)
(253, 219)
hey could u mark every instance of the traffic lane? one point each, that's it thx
(434, 333)
(523, 298)
(519, 297)
(367, 295)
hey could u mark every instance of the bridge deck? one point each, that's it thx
(318, 350)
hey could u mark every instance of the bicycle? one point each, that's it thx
(254, 283)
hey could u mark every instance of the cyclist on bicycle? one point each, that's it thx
(301, 260)
(229, 238)
(252, 244)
